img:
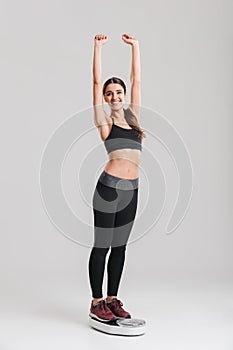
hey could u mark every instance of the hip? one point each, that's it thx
(118, 182)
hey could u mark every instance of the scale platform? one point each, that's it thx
(119, 326)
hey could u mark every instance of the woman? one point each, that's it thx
(116, 194)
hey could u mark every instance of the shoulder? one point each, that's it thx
(132, 111)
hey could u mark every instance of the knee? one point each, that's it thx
(120, 250)
(99, 252)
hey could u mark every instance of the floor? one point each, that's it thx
(184, 314)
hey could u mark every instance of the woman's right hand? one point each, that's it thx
(100, 40)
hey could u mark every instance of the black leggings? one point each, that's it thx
(114, 206)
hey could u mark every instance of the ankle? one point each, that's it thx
(96, 300)
(109, 299)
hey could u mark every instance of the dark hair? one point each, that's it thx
(130, 116)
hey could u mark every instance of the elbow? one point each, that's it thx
(135, 81)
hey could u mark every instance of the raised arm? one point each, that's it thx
(98, 43)
(135, 74)
(100, 116)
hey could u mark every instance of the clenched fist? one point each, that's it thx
(129, 39)
(100, 39)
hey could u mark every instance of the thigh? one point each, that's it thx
(126, 207)
(125, 215)
(105, 200)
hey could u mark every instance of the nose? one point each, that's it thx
(115, 97)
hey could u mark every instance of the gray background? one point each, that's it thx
(46, 76)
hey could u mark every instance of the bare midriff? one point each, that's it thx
(124, 163)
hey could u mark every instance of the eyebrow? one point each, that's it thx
(111, 91)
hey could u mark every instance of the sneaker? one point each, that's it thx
(101, 312)
(116, 307)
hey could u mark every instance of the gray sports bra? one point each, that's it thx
(120, 138)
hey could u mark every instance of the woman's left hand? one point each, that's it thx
(129, 39)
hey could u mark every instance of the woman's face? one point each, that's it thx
(114, 96)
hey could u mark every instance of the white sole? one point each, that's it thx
(99, 319)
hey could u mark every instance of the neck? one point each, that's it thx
(119, 115)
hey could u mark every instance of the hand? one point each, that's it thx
(100, 40)
(129, 39)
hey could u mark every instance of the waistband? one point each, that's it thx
(118, 182)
